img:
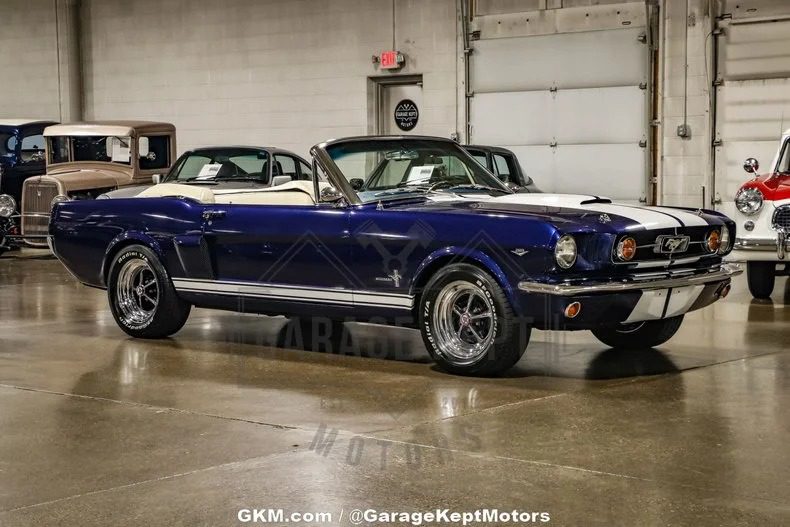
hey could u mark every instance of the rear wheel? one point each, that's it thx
(142, 298)
(467, 323)
(639, 335)
(761, 277)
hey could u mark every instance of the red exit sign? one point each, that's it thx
(390, 60)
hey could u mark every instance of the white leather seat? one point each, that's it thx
(166, 190)
(295, 193)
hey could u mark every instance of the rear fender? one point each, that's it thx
(123, 240)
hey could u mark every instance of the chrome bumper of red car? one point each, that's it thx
(646, 282)
(780, 244)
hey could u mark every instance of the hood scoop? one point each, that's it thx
(595, 200)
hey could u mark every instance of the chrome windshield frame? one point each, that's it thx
(338, 179)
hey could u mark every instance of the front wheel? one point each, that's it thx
(467, 323)
(142, 298)
(761, 277)
(639, 335)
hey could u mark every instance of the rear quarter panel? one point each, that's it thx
(84, 233)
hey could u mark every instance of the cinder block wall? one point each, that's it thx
(686, 163)
(294, 72)
(289, 73)
(28, 61)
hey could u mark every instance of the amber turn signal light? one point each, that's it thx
(713, 241)
(573, 310)
(626, 249)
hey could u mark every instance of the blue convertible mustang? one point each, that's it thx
(401, 228)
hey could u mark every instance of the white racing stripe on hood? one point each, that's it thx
(647, 217)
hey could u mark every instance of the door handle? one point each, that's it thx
(209, 215)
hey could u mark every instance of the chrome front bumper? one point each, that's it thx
(667, 280)
(780, 244)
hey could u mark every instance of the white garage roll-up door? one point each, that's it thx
(572, 106)
(752, 100)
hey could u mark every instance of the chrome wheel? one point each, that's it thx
(137, 293)
(465, 322)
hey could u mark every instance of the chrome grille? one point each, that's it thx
(782, 218)
(36, 205)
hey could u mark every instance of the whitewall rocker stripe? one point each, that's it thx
(346, 297)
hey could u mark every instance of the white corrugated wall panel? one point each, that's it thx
(753, 101)
(574, 115)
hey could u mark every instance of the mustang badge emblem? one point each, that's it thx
(519, 251)
(672, 244)
(395, 277)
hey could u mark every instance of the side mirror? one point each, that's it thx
(156, 178)
(280, 180)
(330, 195)
(751, 165)
(356, 183)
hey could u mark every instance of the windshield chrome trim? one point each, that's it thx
(339, 181)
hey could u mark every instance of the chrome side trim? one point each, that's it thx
(635, 283)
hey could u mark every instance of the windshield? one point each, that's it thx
(222, 163)
(386, 168)
(7, 144)
(784, 160)
(102, 148)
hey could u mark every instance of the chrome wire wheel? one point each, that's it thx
(137, 293)
(465, 322)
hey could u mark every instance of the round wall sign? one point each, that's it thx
(406, 115)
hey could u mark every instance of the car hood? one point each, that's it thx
(774, 187)
(573, 210)
(130, 192)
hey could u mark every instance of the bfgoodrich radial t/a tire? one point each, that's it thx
(142, 298)
(639, 335)
(467, 323)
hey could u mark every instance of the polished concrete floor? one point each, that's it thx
(100, 429)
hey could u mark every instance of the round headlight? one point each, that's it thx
(626, 249)
(713, 241)
(749, 200)
(60, 198)
(724, 243)
(7, 205)
(565, 252)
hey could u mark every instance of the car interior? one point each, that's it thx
(293, 193)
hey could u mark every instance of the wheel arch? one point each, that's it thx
(125, 240)
(453, 255)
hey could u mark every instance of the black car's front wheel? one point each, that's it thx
(467, 323)
(142, 298)
(639, 335)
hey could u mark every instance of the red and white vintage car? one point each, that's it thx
(763, 222)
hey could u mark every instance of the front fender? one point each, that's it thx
(449, 255)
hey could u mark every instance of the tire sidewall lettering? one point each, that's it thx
(428, 320)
